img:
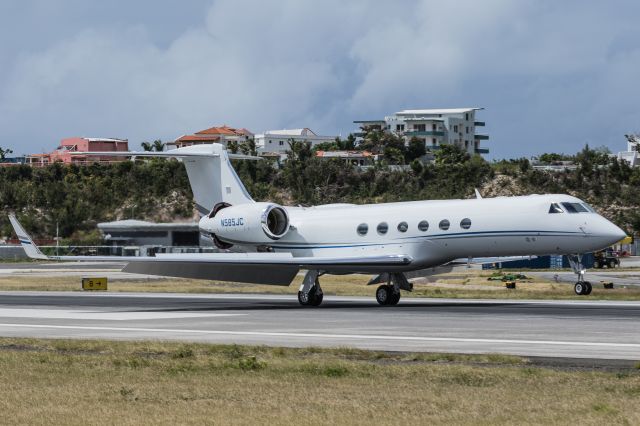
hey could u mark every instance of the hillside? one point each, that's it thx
(77, 198)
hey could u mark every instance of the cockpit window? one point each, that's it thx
(588, 207)
(575, 208)
(555, 208)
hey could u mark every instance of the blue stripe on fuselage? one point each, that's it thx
(478, 234)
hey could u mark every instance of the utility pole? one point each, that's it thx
(57, 238)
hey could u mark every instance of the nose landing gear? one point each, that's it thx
(582, 287)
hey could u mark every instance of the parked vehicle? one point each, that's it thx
(606, 258)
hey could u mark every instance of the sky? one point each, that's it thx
(551, 75)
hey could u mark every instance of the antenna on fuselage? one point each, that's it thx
(478, 196)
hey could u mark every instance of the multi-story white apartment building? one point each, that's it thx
(435, 127)
(631, 154)
(278, 140)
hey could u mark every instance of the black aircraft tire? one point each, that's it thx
(588, 288)
(315, 299)
(579, 288)
(303, 299)
(383, 294)
(395, 298)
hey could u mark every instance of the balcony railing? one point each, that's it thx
(482, 137)
(479, 123)
(424, 133)
(482, 150)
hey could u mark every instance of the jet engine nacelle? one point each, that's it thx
(256, 223)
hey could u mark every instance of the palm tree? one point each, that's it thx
(4, 152)
(146, 146)
(232, 146)
(248, 147)
(158, 145)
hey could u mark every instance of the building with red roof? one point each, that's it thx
(70, 151)
(222, 134)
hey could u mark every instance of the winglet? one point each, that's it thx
(25, 240)
(478, 196)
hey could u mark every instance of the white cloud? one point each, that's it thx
(562, 69)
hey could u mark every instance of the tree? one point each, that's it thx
(4, 152)
(416, 167)
(350, 142)
(451, 154)
(158, 145)
(248, 147)
(232, 147)
(416, 149)
(393, 155)
(372, 140)
(552, 158)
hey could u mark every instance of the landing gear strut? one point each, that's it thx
(389, 294)
(582, 287)
(310, 292)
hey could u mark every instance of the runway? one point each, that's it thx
(572, 329)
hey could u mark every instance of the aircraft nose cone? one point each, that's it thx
(615, 233)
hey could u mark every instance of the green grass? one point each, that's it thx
(104, 382)
(456, 285)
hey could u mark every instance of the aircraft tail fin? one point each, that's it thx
(213, 179)
(25, 240)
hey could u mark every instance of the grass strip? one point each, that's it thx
(106, 382)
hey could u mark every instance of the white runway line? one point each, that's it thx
(292, 297)
(106, 316)
(328, 336)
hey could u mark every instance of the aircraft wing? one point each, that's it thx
(256, 268)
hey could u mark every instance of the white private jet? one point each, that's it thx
(387, 240)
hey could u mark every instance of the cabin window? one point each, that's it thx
(444, 224)
(402, 227)
(465, 223)
(555, 208)
(383, 227)
(363, 228)
(574, 208)
(423, 226)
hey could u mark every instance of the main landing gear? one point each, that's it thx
(582, 287)
(310, 292)
(389, 294)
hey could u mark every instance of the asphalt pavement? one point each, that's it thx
(565, 329)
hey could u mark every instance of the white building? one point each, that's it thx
(435, 127)
(631, 154)
(278, 140)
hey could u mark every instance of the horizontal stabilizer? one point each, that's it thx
(207, 150)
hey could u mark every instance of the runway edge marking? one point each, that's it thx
(329, 336)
